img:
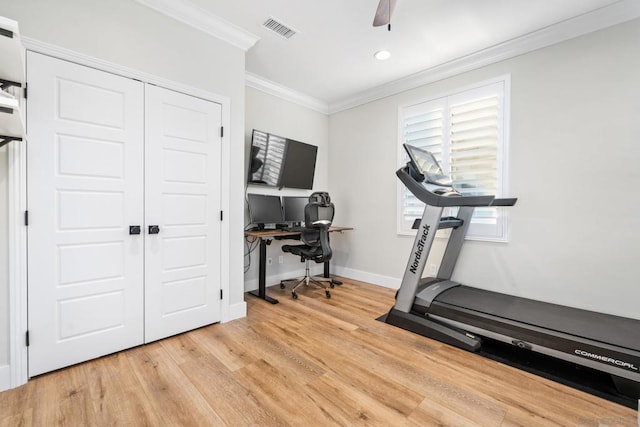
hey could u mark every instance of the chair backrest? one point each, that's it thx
(318, 216)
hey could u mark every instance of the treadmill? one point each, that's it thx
(459, 315)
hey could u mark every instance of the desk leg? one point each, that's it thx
(262, 291)
(328, 275)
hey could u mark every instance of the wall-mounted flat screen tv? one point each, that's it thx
(281, 162)
(299, 165)
(267, 153)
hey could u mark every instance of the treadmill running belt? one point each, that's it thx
(605, 328)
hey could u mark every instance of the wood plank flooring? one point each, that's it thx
(306, 362)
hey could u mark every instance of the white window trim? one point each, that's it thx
(503, 147)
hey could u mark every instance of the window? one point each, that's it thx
(467, 132)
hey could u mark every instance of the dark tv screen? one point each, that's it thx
(298, 165)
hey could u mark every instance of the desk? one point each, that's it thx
(265, 237)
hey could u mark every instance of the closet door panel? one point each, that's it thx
(85, 187)
(182, 197)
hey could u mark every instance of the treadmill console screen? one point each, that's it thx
(425, 164)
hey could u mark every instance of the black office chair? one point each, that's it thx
(318, 216)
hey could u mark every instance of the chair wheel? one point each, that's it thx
(332, 285)
(282, 286)
(294, 295)
(327, 293)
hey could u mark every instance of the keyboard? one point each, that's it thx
(297, 229)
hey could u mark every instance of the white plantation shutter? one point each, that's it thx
(466, 133)
(424, 128)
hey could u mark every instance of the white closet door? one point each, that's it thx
(85, 152)
(182, 198)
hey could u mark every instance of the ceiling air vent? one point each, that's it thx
(279, 28)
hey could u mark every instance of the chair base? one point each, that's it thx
(333, 281)
(307, 280)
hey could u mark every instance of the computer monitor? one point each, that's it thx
(264, 209)
(294, 208)
(426, 164)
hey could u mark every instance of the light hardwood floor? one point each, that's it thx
(309, 362)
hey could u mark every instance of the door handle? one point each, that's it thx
(134, 229)
(154, 229)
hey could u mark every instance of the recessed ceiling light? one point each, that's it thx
(382, 55)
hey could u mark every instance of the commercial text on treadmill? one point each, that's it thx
(420, 248)
(606, 359)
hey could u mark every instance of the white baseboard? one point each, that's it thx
(363, 276)
(350, 273)
(5, 377)
(272, 279)
(235, 311)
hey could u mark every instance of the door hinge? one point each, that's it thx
(221, 131)
(26, 218)
(221, 215)
(27, 338)
(220, 293)
(25, 91)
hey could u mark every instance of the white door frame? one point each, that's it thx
(17, 183)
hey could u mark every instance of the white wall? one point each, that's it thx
(4, 260)
(126, 33)
(574, 156)
(274, 115)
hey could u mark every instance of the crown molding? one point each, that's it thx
(616, 13)
(203, 20)
(59, 52)
(276, 89)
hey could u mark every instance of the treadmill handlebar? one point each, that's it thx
(432, 199)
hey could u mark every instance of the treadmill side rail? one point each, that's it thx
(581, 351)
(433, 329)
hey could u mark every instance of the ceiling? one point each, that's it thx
(330, 58)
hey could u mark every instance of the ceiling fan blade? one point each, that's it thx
(383, 13)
